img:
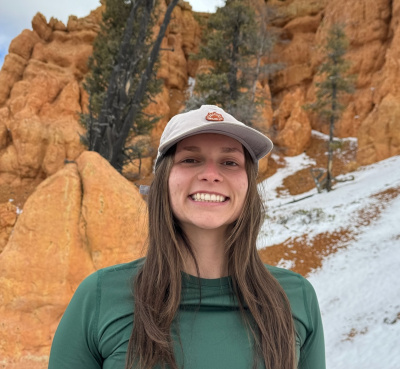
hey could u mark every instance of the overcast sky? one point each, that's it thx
(16, 15)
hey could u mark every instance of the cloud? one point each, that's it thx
(206, 5)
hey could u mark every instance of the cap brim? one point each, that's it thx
(257, 144)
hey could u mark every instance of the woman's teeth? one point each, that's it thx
(206, 197)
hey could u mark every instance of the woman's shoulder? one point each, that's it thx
(299, 290)
(121, 270)
(110, 278)
(290, 280)
(306, 314)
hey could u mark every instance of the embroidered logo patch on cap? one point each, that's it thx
(214, 116)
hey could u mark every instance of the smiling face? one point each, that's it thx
(208, 182)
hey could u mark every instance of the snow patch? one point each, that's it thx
(358, 286)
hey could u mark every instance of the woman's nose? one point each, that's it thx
(210, 172)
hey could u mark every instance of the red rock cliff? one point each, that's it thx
(41, 82)
(41, 91)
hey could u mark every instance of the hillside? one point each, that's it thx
(348, 243)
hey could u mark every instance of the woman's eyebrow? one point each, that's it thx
(191, 148)
(227, 150)
(224, 150)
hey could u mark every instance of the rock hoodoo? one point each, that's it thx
(84, 217)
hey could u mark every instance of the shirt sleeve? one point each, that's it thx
(75, 343)
(312, 352)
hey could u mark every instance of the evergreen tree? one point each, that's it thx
(122, 80)
(229, 43)
(333, 85)
(105, 51)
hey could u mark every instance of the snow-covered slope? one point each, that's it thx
(358, 286)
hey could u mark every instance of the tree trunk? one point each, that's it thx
(329, 176)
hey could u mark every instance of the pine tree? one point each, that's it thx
(229, 43)
(105, 51)
(333, 85)
(122, 80)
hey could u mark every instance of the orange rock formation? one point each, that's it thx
(372, 28)
(41, 96)
(41, 82)
(41, 93)
(84, 217)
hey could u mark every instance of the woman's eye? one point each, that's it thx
(230, 163)
(189, 161)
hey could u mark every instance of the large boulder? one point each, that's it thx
(84, 217)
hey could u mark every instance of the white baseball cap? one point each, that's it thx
(213, 119)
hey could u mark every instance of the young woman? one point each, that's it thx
(201, 299)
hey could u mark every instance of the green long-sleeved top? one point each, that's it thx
(95, 328)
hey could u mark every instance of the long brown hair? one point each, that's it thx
(254, 287)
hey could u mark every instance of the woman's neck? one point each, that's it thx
(209, 249)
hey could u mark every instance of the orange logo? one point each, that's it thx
(216, 117)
